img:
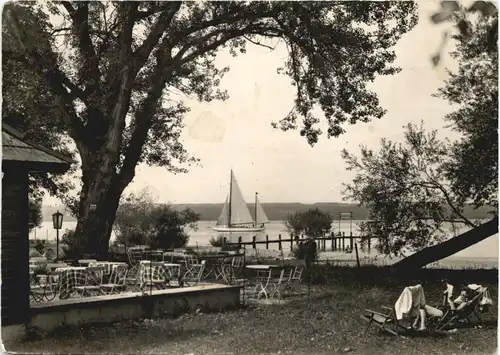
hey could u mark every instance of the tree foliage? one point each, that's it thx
(413, 189)
(34, 215)
(314, 223)
(458, 15)
(114, 70)
(133, 219)
(405, 188)
(140, 221)
(72, 247)
(169, 226)
(473, 167)
(28, 107)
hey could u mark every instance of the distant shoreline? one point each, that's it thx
(274, 211)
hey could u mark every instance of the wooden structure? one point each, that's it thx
(336, 242)
(19, 158)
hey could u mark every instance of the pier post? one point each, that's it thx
(291, 241)
(369, 244)
(239, 242)
(333, 241)
(267, 242)
(343, 241)
(279, 242)
(253, 242)
(357, 255)
(352, 240)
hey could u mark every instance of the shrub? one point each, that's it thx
(72, 247)
(307, 251)
(313, 223)
(140, 221)
(168, 226)
(218, 241)
(39, 246)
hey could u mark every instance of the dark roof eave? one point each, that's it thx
(35, 167)
(20, 136)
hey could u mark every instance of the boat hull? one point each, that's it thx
(238, 230)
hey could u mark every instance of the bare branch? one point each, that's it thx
(258, 43)
(57, 30)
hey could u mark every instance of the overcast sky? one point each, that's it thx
(281, 166)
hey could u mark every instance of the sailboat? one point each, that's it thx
(235, 215)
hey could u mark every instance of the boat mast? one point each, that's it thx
(255, 222)
(230, 193)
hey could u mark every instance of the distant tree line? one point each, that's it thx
(276, 211)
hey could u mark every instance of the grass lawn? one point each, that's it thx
(327, 323)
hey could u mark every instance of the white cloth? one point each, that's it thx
(474, 287)
(486, 299)
(449, 290)
(410, 301)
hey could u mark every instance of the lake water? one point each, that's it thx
(486, 249)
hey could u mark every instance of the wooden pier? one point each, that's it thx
(337, 242)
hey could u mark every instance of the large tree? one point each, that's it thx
(413, 188)
(111, 68)
(473, 169)
(411, 201)
(405, 189)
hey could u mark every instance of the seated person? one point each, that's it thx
(466, 295)
(411, 303)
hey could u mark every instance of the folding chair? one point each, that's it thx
(46, 288)
(237, 267)
(117, 280)
(194, 274)
(190, 261)
(93, 281)
(51, 286)
(384, 321)
(134, 256)
(279, 286)
(464, 314)
(154, 274)
(296, 278)
(262, 286)
(132, 278)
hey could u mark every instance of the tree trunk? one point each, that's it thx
(449, 247)
(99, 199)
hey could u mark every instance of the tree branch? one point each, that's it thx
(258, 43)
(144, 116)
(228, 35)
(91, 74)
(162, 24)
(449, 201)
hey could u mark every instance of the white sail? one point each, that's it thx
(240, 213)
(224, 215)
(261, 215)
